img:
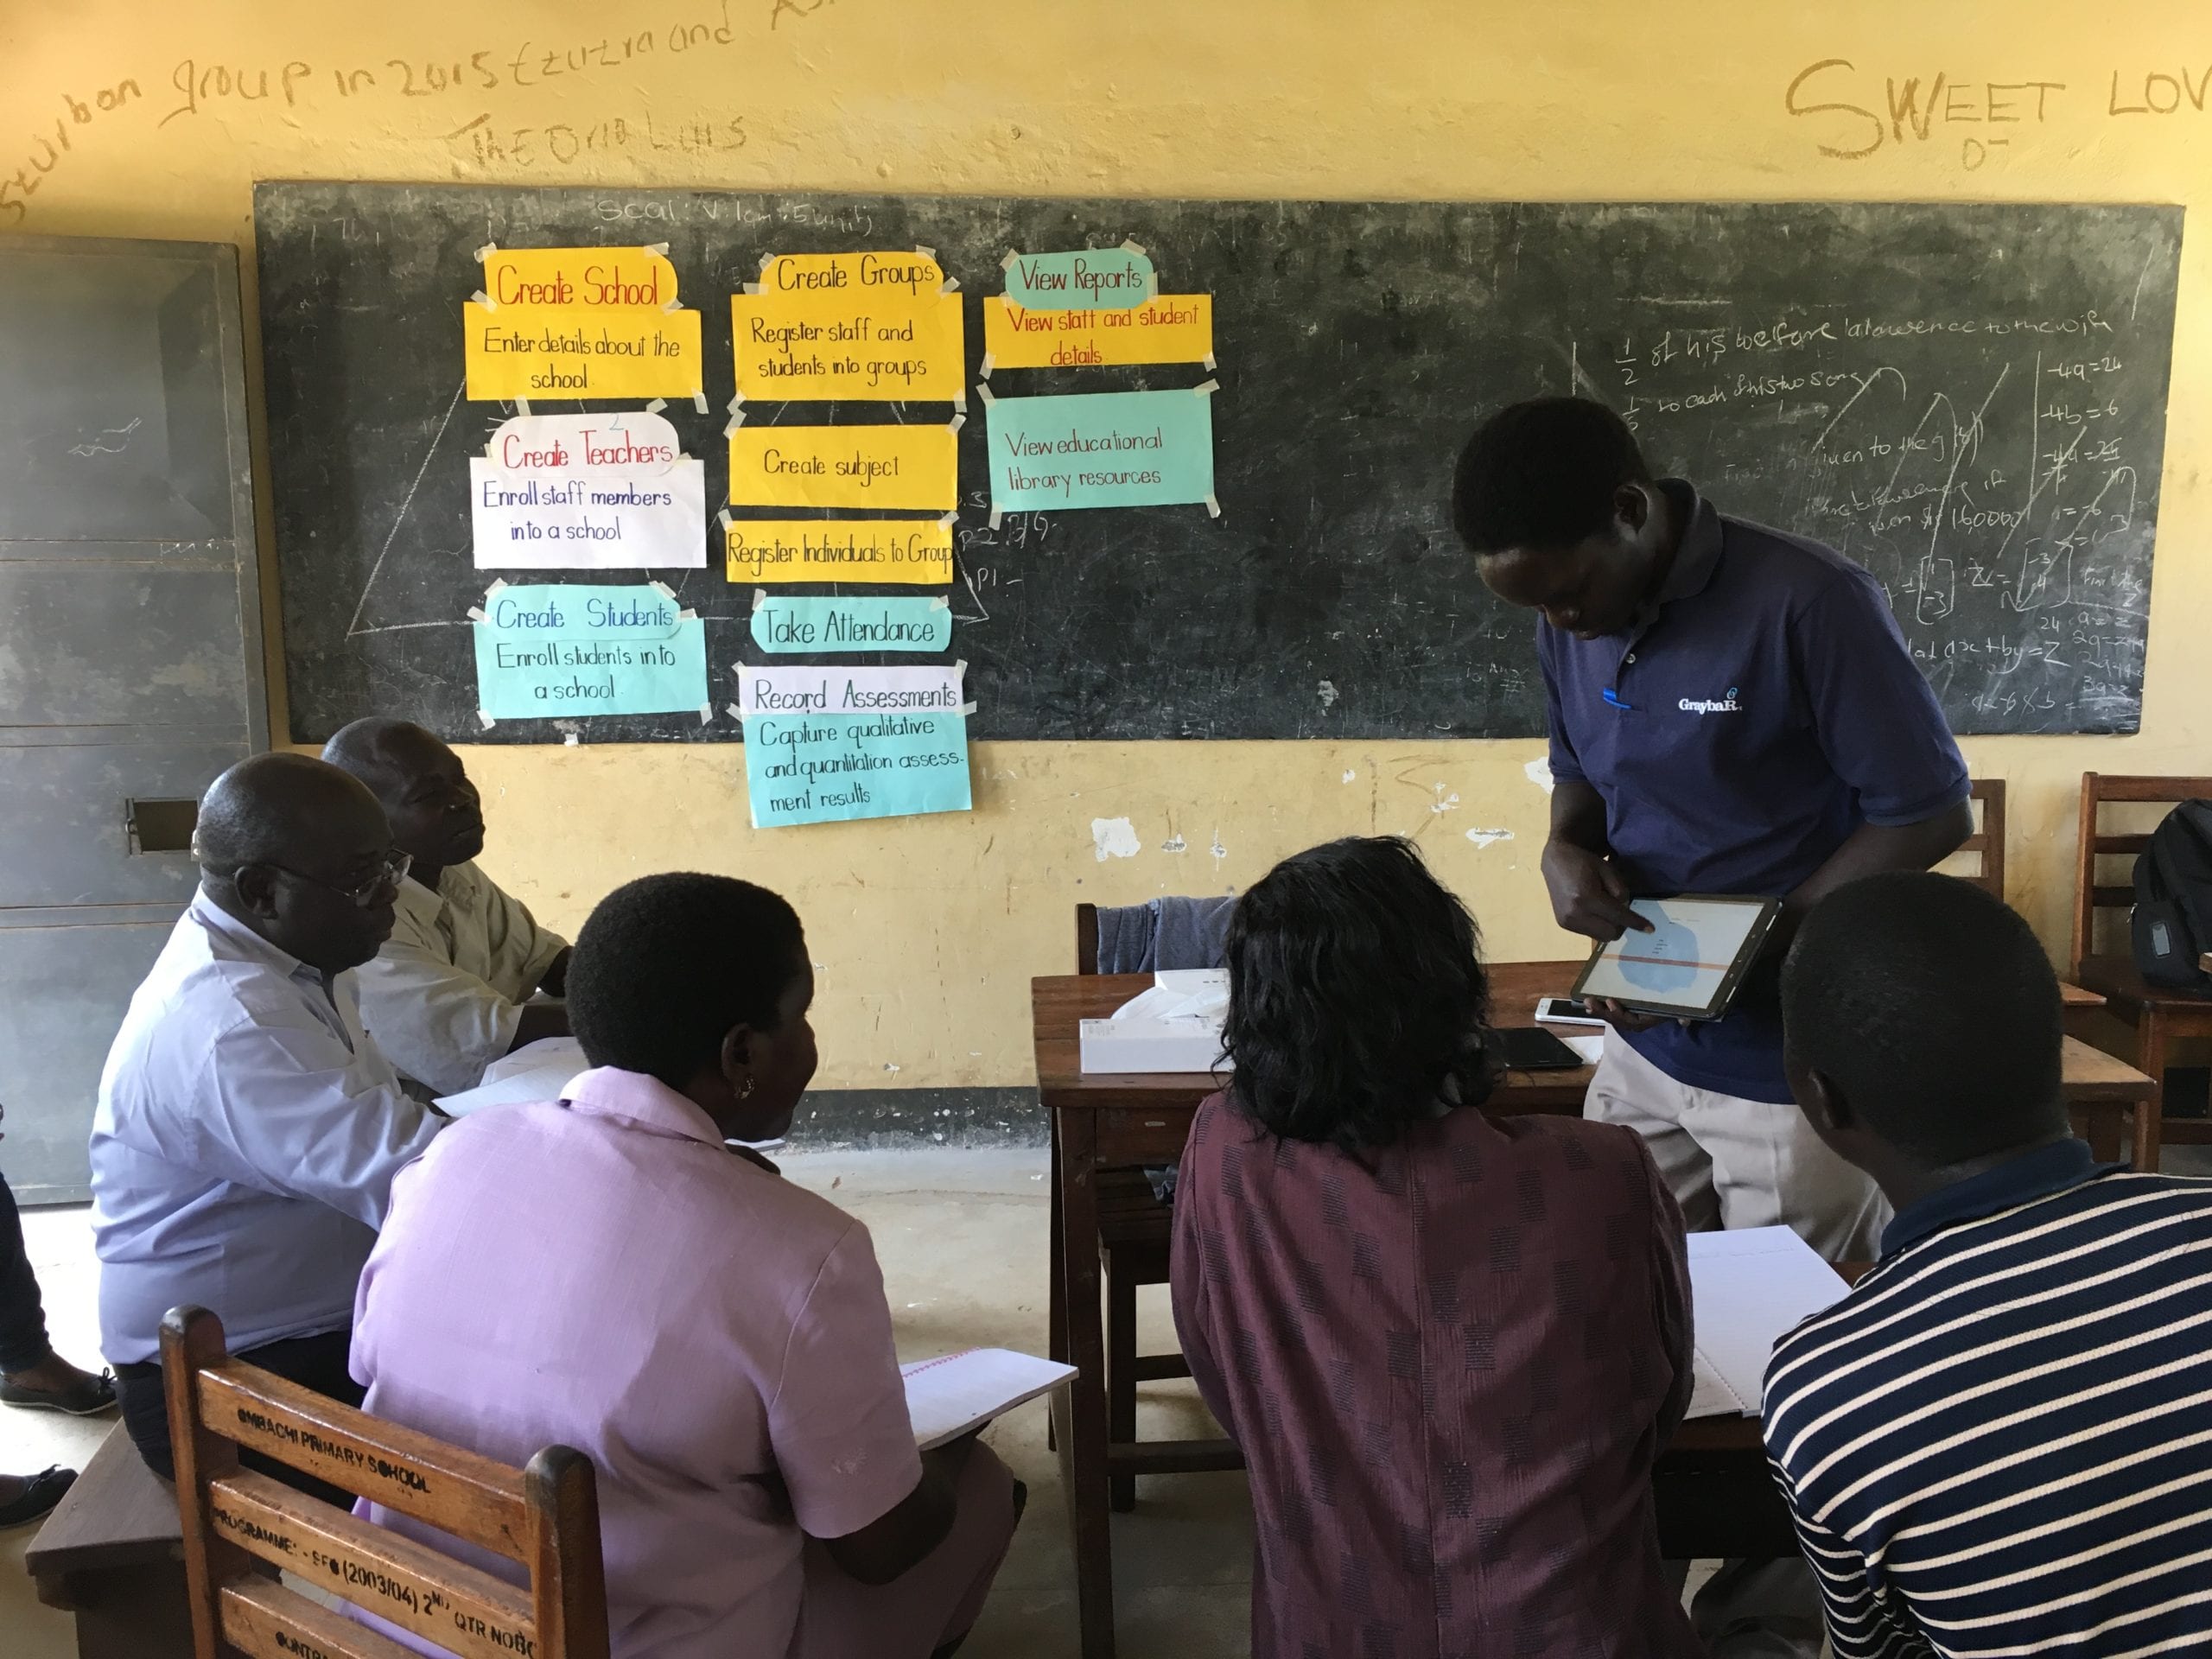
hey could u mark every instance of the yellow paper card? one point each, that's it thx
(1173, 328)
(565, 323)
(916, 550)
(844, 467)
(598, 279)
(834, 326)
(546, 353)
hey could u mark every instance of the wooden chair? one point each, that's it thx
(1133, 1228)
(2161, 1017)
(545, 1517)
(1987, 842)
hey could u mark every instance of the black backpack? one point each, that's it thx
(2172, 922)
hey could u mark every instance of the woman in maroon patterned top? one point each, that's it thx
(1450, 1345)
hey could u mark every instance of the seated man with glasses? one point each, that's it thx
(247, 1130)
(451, 990)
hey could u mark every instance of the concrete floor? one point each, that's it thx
(962, 1237)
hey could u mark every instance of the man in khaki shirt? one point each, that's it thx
(450, 992)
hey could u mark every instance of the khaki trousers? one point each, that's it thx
(1732, 1162)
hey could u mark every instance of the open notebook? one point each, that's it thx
(950, 1395)
(1748, 1288)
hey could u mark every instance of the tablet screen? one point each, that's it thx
(1687, 962)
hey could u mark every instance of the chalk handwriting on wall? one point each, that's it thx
(1913, 107)
(562, 142)
(229, 87)
(1854, 114)
(46, 153)
(202, 87)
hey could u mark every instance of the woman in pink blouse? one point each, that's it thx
(601, 1272)
(1449, 1343)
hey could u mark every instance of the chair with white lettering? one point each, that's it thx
(544, 1518)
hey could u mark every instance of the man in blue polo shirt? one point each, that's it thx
(1732, 710)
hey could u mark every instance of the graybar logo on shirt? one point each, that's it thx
(1726, 705)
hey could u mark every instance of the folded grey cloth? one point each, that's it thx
(1169, 932)
(1191, 933)
(1125, 938)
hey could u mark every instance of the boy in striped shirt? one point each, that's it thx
(2000, 1442)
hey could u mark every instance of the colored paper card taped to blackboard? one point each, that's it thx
(917, 551)
(812, 622)
(594, 280)
(587, 492)
(565, 650)
(549, 352)
(1100, 449)
(808, 688)
(891, 466)
(849, 326)
(1173, 328)
(819, 769)
(1085, 279)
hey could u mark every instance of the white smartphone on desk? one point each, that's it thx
(1567, 1011)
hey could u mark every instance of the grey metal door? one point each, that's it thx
(131, 652)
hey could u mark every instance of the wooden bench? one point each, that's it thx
(112, 1553)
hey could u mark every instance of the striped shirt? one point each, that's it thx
(2000, 1442)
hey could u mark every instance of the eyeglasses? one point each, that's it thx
(387, 877)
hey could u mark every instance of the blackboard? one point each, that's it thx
(1968, 399)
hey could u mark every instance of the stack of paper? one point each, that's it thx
(1748, 1289)
(1175, 1026)
(949, 1395)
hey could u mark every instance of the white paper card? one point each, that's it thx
(587, 492)
(1749, 1288)
(949, 1395)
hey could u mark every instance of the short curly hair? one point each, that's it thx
(1541, 474)
(667, 965)
(1931, 1008)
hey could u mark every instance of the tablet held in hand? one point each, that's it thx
(1689, 965)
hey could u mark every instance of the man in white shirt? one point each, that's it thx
(247, 1130)
(450, 991)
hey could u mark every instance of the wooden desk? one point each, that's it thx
(112, 1553)
(1106, 1121)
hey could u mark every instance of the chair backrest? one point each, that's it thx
(1171, 932)
(1987, 842)
(545, 1517)
(2090, 893)
(1086, 938)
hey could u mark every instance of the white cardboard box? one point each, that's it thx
(1151, 1045)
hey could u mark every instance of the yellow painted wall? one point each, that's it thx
(929, 929)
